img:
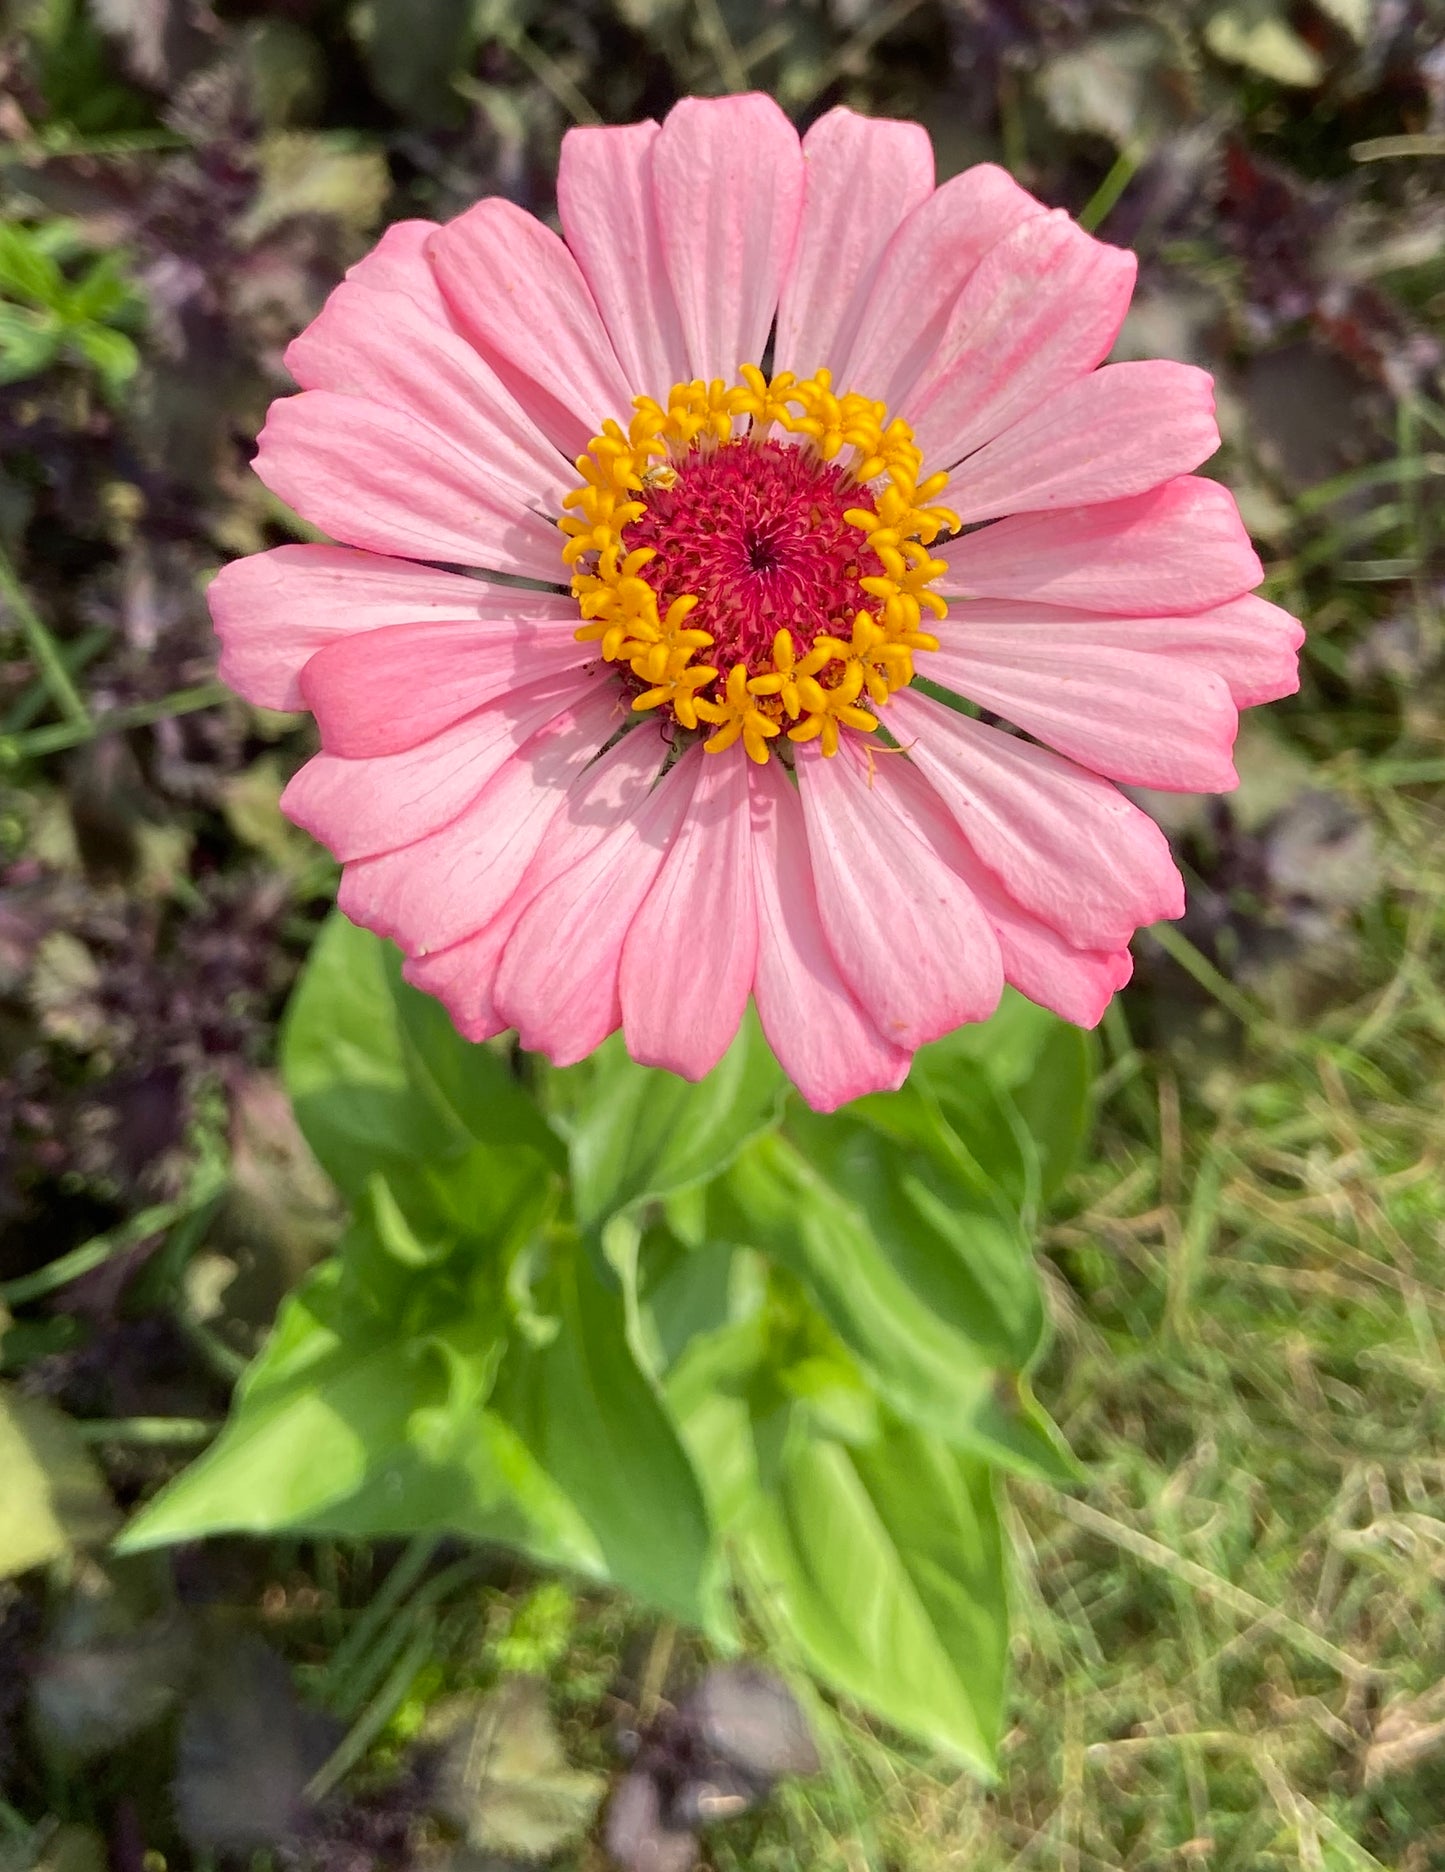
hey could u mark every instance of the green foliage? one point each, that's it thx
(690, 1339)
(49, 313)
(55, 1498)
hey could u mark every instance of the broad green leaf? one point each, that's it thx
(593, 1423)
(881, 1564)
(381, 1080)
(640, 1133)
(390, 1400)
(896, 1274)
(1041, 1068)
(27, 271)
(367, 1414)
(345, 1063)
(475, 1082)
(52, 1496)
(944, 1224)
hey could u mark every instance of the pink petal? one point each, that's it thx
(1121, 430)
(558, 981)
(433, 892)
(862, 177)
(520, 297)
(687, 964)
(1180, 548)
(1141, 719)
(386, 690)
(385, 347)
(357, 808)
(1065, 844)
(727, 181)
(609, 794)
(604, 198)
(398, 263)
(907, 934)
(1077, 984)
(824, 1041)
(462, 978)
(1252, 644)
(376, 478)
(275, 610)
(1041, 309)
(919, 276)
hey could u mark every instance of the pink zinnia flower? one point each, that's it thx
(711, 760)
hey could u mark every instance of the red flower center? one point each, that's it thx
(756, 531)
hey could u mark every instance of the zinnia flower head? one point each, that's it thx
(862, 584)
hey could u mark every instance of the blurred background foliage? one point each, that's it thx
(1231, 1642)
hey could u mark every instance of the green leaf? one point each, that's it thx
(639, 1133)
(27, 271)
(593, 1422)
(501, 1776)
(474, 1082)
(882, 1563)
(414, 49)
(908, 1529)
(345, 1064)
(381, 1080)
(1041, 1069)
(110, 353)
(29, 342)
(54, 1497)
(934, 1296)
(104, 295)
(390, 1400)
(366, 1415)
(1256, 34)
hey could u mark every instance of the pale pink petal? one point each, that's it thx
(687, 964)
(1042, 308)
(398, 263)
(1180, 548)
(1077, 984)
(520, 297)
(919, 276)
(463, 977)
(432, 893)
(1142, 719)
(1121, 430)
(727, 182)
(378, 479)
(907, 934)
(604, 198)
(609, 794)
(384, 347)
(824, 1041)
(275, 610)
(558, 981)
(386, 690)
(1065, 844)
(357, 808)
(1252, 644)
(862, 176)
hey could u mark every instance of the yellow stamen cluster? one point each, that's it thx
(810, 696)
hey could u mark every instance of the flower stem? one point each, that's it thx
(1121, 174)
